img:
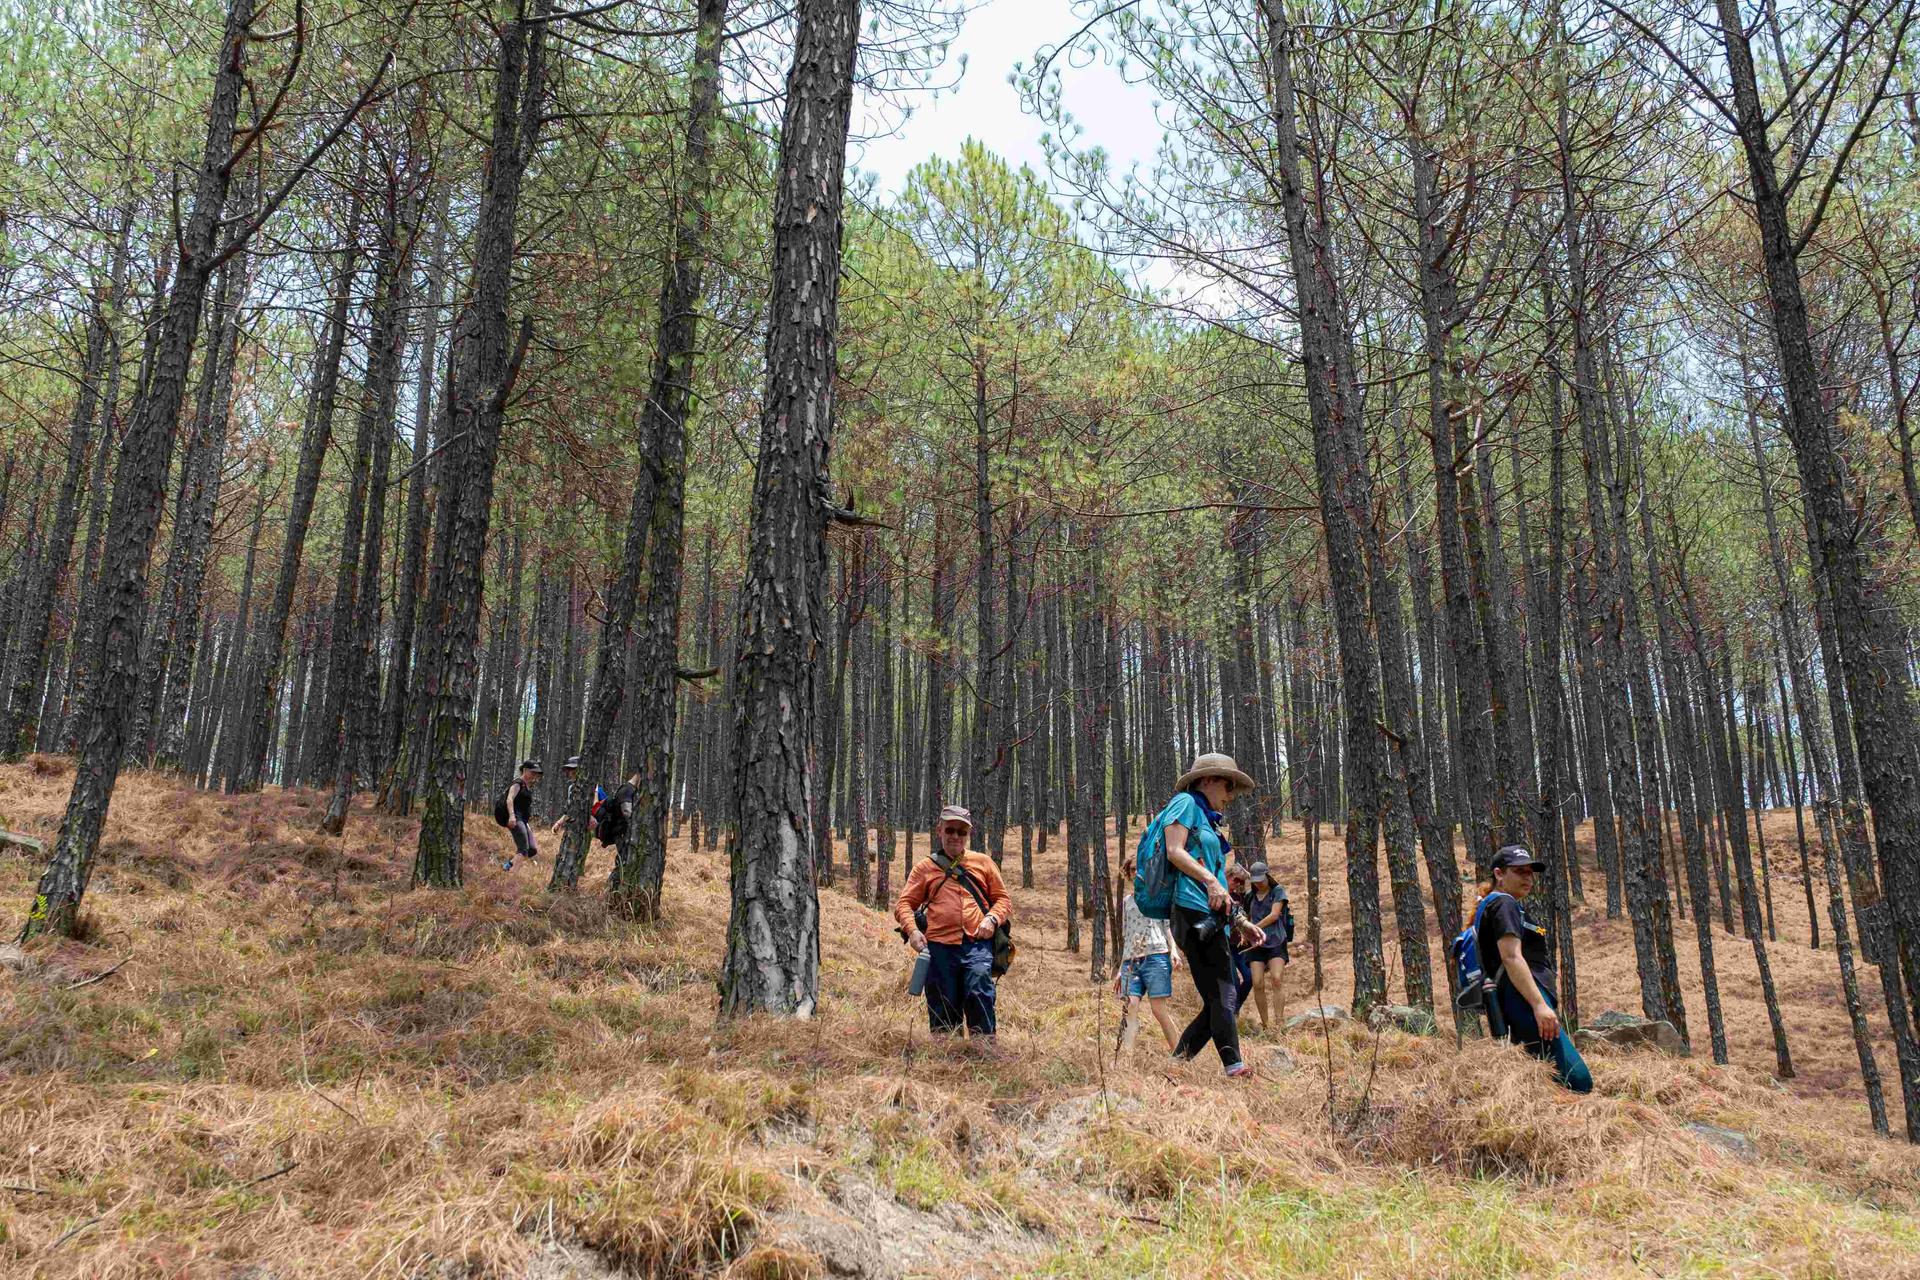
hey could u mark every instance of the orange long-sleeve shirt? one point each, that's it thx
(952, 913)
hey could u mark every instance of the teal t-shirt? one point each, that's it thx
(1203, 842)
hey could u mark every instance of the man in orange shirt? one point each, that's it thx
(949, 908)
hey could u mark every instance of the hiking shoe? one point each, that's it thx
(1239, 1071)
(506, 864)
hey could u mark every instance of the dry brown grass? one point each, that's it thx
(306, 1069)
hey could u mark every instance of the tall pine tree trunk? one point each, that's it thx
(264, 667)
(484, 362)
(773, 937)
(139, 489)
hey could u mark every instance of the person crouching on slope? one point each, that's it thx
(950, 906)
(1525, 988)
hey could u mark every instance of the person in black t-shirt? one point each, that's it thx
(519, 804)
(1526, 986)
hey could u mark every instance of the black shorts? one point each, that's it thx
(1266, 955)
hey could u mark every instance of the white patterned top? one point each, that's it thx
(1140, 934)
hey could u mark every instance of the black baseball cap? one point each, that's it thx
(1515, 855)
(531, 764)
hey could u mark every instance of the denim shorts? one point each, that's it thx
(1148, 976)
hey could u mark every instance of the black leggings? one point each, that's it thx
(1211, 963)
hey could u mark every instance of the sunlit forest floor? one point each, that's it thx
(302, 1068)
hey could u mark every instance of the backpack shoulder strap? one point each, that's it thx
(1481, 910)
(979, 898)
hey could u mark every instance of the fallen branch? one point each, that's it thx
(100, 977)
(38, 846)
(89, 1222)
(32, 1191)
(288, 1167)
(324, 1097)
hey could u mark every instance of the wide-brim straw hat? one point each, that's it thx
(1214, 764)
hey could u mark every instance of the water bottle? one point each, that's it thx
(918, 982)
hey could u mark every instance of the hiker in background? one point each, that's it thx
(1203, 914)
(950, 907)
(1267, 908)
(596, 811)
(1526, 988)
(513, 810)
(1147, 962)
(1239, 888)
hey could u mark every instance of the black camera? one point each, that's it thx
(1207, 930)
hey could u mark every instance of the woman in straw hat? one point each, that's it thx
(1204, 916)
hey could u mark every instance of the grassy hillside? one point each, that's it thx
(304, 1069)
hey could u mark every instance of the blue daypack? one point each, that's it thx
(1473, 981)
(1153, 878)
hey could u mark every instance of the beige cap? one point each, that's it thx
(954, 813)
(1213, 764)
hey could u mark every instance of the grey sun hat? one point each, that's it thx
(1214, 764)
(1259, 871)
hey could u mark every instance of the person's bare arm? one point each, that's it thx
(1186, 864)
(1522, 977)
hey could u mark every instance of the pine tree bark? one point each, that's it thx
(264, 667)
(773, 936)
(1873, 656)
(884, 775)
(209, 471)
(359, 672)
(1344, 505)
(1440, 314)
(139, 489)
(484, 362)
(1795, 796)
(1691, 793)
(396, 796)
(1546, 586)
(20, 729)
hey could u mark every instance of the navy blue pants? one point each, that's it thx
(960, 984)
(1242, 979)
(1569, 1068)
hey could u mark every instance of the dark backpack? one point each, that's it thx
(610, 815)
(502, 811)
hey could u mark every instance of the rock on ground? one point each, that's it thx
(1728, 1140)
(1318, 1013)
(1405, 1017)
(1623, 1030)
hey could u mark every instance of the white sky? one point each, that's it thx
(997, 34)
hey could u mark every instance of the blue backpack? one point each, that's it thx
(1474, 982)
(1153, 878)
